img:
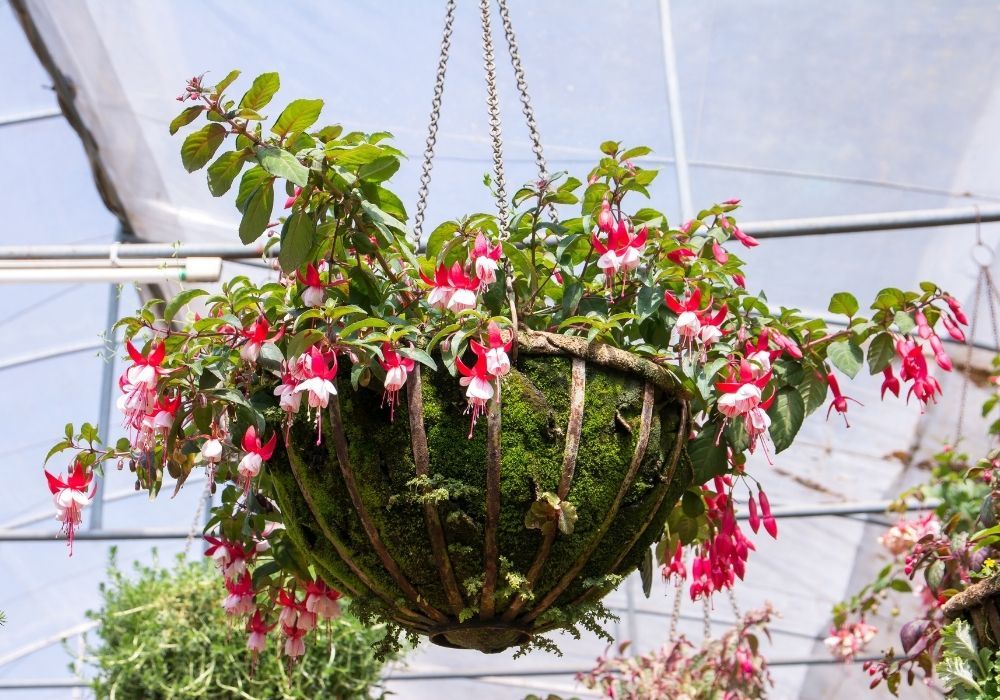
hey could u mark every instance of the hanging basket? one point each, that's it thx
(427, 527)
(980, 605)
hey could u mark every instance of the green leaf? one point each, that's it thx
(880, 352)
(252, 180)
(227, 81)
(846, 356)
(56, 449)
(281, 163)
(889, 298)
(380, 169)
(301, 342)
(297, 237)
(260, 93)
(843, 303)
(904, 322)
(299, 115)
(646, 572)
(786, 413)
(636, 152)
(707, 458)
(593, 196)
(813, 389)
(610, 147)
(439, 237)
(179, 300)
(223, 171)
(185, 118)
(379, 217)
(257, 214)
(692, 503)
(199, 147)
(418, 355)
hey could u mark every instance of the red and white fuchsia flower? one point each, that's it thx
(69, 494)
(257, 630)
(230, 557)
(695, 324)
(240, 600)
(256, 337)
(318, 383)
(497, 361)
(485, 260)
(256, 454)
(478, 382)
(138, 383)
(623, 250)
(322, 600)
(742, 396)
(396, 369)
(314, 293)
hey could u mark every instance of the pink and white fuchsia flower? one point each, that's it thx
(289, 400)
(396, 369)
(314, 293)
(318, 384)
(478, 382)
(322, 600)
(485, 260)
(70, 497)
(497, 361)
(256, 337)
(622, 252)
(240, 600)
(138, 383)
(742, 396)
(257, 634)
(230, 557)
(256, 454)
(452, 289)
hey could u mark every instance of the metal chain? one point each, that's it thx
(706, 617)
(493, 106)
(675, 615)
(432, 129)
(522, 89)
(196, 520)
(735, 604)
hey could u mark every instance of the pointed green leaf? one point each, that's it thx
(846, 356)
(299, 115)
(199, 147)
(185, 118)
(281, 163)
(257, 214)
(223, 171)
(297, 237)
(880, 352)
(260, 93)
(843, 303)
(227, 81)
(786, 413)
(179, 300)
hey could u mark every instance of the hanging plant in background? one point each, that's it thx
(946, 558)
(476, 440)
(164, 635)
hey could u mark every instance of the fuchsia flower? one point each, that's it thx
(452, 289)
(485, 260)
(478, 381)
(294, 646)
(289, 400)
(138, 383)
(497, 362)
(914, 369)
(737, 233)
(314, 293)
(901, 537)
(839, 402)
(256, 454)
(846, 641)
(258, 631)
(157, 421)
(322, 600)
(622, 251)
(682, 256)
(676, 569)
(211, 451)
(240, 600)
(319, 381)
(723, 558)
(605, 220)
(70, 497)
(719, 253)
(230, 557)
(290, 202)
(293, 613)
(742, 395)
(690, 317)
(256, 337)
(890, 383)
(396, 369)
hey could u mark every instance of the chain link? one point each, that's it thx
(493, 106)
(675, 615)
(196, 520)
(432, 129)
(706, 617)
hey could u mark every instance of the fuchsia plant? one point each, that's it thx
(356, 306)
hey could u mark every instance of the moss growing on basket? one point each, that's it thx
(535, 413)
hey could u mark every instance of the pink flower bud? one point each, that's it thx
(956, 309)
(943, 361)
(605, 220)
(721, 256)
(953, 330)
(754, 519)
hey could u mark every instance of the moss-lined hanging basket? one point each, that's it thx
(417, 521)
(980, 605)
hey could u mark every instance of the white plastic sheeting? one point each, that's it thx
(801, 109)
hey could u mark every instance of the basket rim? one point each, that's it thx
(975, 595)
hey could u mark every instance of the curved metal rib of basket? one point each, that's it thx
(981, 603)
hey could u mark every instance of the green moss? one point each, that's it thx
(535, 412)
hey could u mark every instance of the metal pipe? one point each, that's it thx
(676, 115)
(22, 360)
(781, 228)
(24, 118)
(191, 269)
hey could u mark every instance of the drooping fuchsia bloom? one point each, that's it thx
(256, 336)
(622, 252)
(258, 631)
(70, 497)
(846, 641)
(319, 382)
(951, 326)
(157, 421)
(711, 326)
(956, 310)
(240, 600)
(289, 400)
(839, 402)
(738, 234)
(290, 202)
(485, 260)
(293, 612)
(478, 381)
(441, 289)
(914, 370)
(464, 289)
(294, 645)
(396, 369)
(322, 600)
(315, 289)
(742, 395)
(138, 383)
(256, 454)
(497, 361)
(770, 524)
(723, 557)
(211, 451)
(689, 315)
(606, 220)
(231, 557)
(889, 383)
(676, 570)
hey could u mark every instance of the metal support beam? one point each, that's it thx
(781, 228)
(26, 117)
